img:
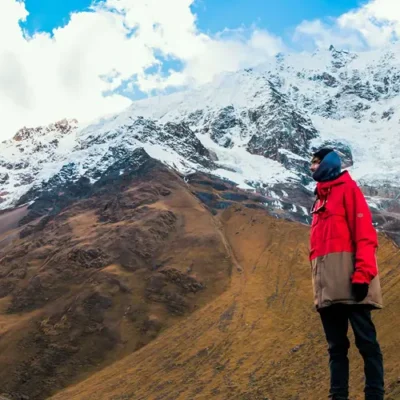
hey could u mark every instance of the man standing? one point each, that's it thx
(345, 274)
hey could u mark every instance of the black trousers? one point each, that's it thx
(335, 320)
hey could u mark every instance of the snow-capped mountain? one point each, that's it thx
(255, 127)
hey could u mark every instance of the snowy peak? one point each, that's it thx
(279, 127)
(256, 128)
(342, 58)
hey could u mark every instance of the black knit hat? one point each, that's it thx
(321, 153)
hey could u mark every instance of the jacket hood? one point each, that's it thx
(329, 169)
(323, 187)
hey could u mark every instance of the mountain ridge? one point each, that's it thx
(282, 110)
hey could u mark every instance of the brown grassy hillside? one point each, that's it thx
(260, 339)
(82, 289)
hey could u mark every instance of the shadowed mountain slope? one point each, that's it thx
(93, 273)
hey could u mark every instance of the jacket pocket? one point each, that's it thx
(337, 271)
(315, 281)
(334, 226)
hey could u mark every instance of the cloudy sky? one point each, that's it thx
(83, 59)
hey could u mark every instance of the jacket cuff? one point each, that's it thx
(359, 277)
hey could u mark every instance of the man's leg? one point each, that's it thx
(335, 323)
(367, 343)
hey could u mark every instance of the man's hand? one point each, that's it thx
(360, 291)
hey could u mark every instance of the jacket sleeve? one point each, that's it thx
(363, 234)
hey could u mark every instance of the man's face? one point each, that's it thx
(315, 162)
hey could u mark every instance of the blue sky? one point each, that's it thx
(45, 15)
(277, 16)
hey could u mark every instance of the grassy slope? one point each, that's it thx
(260, 339)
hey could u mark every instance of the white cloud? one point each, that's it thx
(373, 25)
(311, 34)
(48, 77)
(227, 52)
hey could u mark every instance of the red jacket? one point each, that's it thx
(342, 222)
